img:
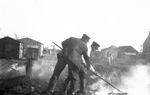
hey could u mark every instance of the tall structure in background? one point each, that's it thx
(146, 47)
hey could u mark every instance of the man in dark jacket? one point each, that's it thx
(71, 54)
(82, 73)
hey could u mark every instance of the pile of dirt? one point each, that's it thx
(22, 85)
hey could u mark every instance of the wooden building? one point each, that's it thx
(31, 48)
(113, 54)
(128, 50)
(10, 48)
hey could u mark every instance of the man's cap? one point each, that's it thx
(95, 44)
(85, 36)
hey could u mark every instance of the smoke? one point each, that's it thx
(138, 81)
(102, 88)
(99, 88)
(43, 69)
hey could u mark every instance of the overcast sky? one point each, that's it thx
(108, 22)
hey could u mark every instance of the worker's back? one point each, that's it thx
(73, 48)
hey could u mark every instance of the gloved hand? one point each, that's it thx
(58, 54)
(91, 68)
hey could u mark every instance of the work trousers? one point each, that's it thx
(81, 79)
(60, 65)
(75, 73)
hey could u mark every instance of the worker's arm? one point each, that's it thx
(88, 62)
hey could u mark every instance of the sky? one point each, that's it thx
(108, 22)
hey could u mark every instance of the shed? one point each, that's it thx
(10, 48)
(32, 48)
(128, 50)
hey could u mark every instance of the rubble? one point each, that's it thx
(22, 85)
(14, 81)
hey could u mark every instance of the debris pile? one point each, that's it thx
(14, 82)
(22, 85)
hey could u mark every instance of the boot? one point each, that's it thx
(80, 93)
(46, 93)
(71, 93)
(60, 92)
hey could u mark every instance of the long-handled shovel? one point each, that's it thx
(98, 75)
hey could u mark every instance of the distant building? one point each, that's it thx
(146, 47)
(128, 50)
(127, 55)
(113, 53)
(110, 54)
(31, 48)
(10, 48)
(112, 50)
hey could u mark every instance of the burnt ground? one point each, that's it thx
(14, 82)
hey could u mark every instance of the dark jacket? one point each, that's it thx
(73, 49)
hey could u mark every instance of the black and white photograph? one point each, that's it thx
(74, 47)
